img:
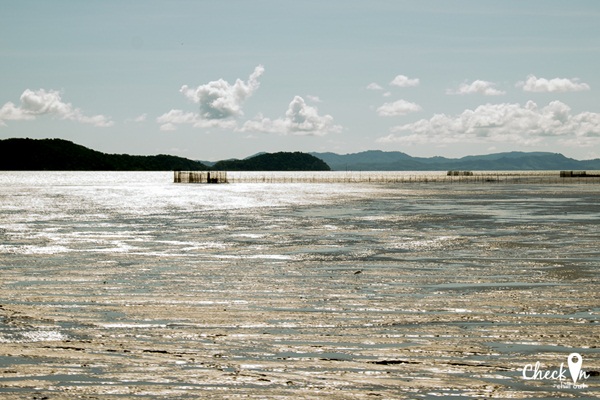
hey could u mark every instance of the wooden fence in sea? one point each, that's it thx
(388, 177)
(200, 176)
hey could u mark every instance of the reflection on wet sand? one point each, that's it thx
(253, 291)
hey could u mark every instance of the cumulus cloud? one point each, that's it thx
(374, 86)
(35, 103)
(10, 112)
(170, 120)
(300, 119)
(524, 125)
(541, 85)
(220, 106)
(219, 103)
(477, 87)
(220, 99)
(397, 108)
(404, 81)
(141, 118)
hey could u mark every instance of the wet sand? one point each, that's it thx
(423, 292)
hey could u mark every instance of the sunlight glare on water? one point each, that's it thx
(339, 290)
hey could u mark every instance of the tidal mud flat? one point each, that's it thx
(129, 286)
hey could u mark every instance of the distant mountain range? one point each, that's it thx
(58, 154)
(376, 160)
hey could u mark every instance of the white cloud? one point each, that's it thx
(178, 117)
(513, 123)
(41, 102)
(399, 107)
(404, 81)
(219, 103)
(374, 86)
(540, 85)
(168, 127)
(170, 120)
(141, 118)
(10, 112)
(300, 119)
(220, 99)
(477, 87)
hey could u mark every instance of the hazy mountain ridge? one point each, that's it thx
(376, 160)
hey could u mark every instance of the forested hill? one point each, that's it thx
(63, 155)
(282, 161)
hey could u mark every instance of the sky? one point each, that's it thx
(211, 80)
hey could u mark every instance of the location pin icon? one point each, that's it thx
(575, 362)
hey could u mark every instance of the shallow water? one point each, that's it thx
(127, 285)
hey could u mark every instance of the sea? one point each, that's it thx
(286, 285)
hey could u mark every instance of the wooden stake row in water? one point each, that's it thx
(200, 176)
(530, 177)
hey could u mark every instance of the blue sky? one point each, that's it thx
(219, 79)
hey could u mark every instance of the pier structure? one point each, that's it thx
(578, 174)
(460, 173)
(200, 176)
(389, 177)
